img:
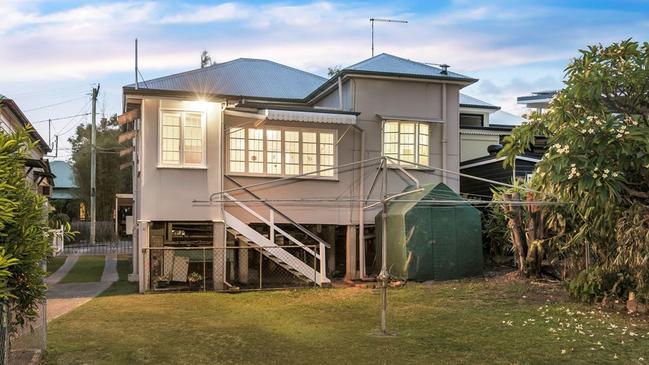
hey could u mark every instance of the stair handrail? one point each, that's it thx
(270, 206)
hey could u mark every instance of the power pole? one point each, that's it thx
(93, 167)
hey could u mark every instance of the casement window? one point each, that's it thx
(280, 151)
(182, 139)
(406, 141)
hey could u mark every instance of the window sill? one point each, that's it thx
(317, 178)
(182, 167)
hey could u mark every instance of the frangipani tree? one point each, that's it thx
(597, 163)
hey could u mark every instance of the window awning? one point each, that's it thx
(313, 117)
(409, 119)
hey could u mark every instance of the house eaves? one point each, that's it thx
(22, 118)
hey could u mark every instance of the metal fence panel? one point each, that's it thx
(103, 248)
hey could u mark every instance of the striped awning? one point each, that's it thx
(313, 117)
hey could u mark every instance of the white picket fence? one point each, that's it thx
(58, 236)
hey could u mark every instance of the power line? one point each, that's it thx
(55, 104)
(59, 118)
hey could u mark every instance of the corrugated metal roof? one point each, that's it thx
(64, 175)
(387, 63)
(241, 77)
(469, 101)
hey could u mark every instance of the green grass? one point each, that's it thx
(465, 322)
(86, 269)
(54, 263)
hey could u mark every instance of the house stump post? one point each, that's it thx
(243, 262)
(351, 272)
(219, 261)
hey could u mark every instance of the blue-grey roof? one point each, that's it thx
(241, 77)
(469, 101)
(389, 64)
(64, 175)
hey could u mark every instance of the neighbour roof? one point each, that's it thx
(241, 77)
(471, 102)
(64, 175)
(504, 118)
(22, 119)
(537, 97)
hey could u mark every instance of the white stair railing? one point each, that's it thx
(276, 250)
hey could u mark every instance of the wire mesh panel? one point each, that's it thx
(232, 268)
(252, 268)
(173, 269)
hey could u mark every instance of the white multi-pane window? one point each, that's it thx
(182, 139)
(406, 142)
(281, 151)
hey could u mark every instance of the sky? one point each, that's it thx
(53, 52)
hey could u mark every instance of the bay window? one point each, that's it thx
(407, 142)
(182, 139)
(281, 151)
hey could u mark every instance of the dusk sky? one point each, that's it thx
(52, 52)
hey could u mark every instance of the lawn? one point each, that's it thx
(467, 322)
(86, 269)
(54, 263)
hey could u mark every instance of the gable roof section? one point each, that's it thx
(393, 65)
(245, 77)
(388, 65)
(471, 102)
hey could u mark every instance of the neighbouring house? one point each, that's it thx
(38, 171)
(491, 166)
(64, 197)
(254, 154)
(538, 100)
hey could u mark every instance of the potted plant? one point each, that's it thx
(194, 280)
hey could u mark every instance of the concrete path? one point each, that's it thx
(62, 298)
(62, 271)
(110, 269)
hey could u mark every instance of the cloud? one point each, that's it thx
(94, 40)
(207, 14)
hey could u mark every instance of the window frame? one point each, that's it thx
(181, 160)
(416, 164)
(481, 116)
(283, 152)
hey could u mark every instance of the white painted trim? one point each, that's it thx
(181, 164)
(409, 119)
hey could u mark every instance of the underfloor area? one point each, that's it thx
(496, 320)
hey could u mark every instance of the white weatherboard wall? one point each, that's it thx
(167, 193)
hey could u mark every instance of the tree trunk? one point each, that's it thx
(516, 227)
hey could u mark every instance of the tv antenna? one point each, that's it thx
(372, 20)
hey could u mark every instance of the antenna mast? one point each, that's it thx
(136, 71)
(372, 20)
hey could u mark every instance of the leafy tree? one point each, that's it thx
(24, 241)
(206, 59)
(110, 179)
(597, 167)
(333, 70)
